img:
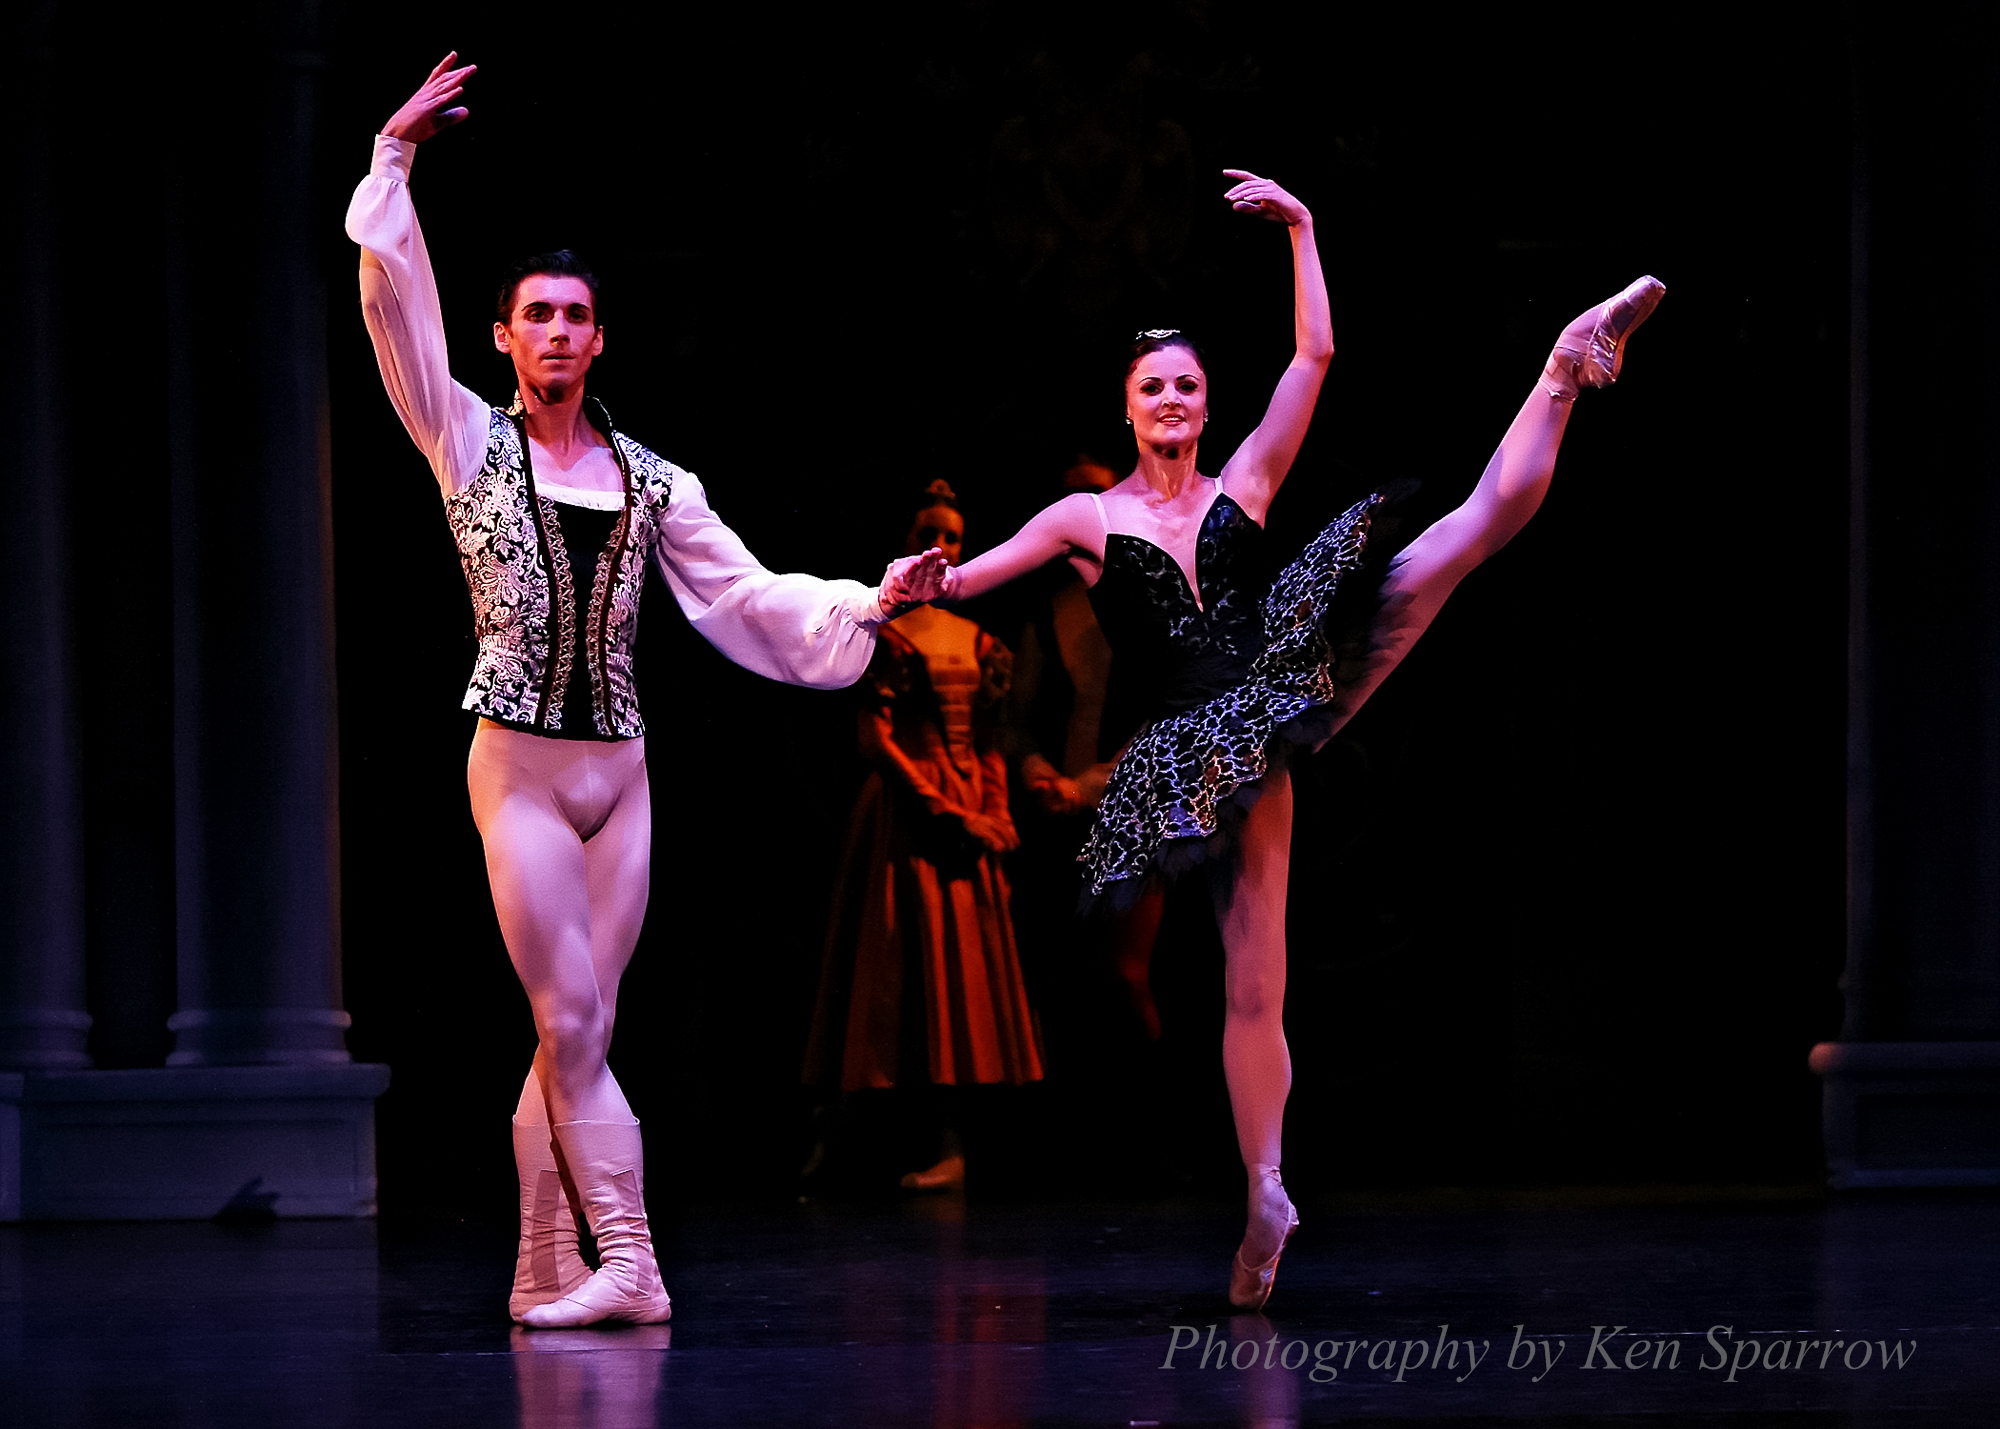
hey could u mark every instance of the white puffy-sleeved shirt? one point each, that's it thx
(502, 496)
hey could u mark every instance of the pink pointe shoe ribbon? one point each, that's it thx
(1250, 1285)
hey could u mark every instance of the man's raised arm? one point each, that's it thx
(399, 300)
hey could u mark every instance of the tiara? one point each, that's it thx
(1155, 334)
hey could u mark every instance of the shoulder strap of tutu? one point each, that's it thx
(1102, 520)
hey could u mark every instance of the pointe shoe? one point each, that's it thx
(1592, 349)
(1250, 1285)
(947, 1175)
(549, 1264)
(607, 1164)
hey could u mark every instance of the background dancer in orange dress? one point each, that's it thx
(921, 981)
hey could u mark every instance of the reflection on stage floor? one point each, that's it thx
(1549, 1309)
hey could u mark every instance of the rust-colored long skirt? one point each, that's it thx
(920, 974)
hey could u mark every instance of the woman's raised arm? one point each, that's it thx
(1258, 468)
(1071, 527)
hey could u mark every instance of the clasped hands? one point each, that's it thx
(912, 581)
(991, 834)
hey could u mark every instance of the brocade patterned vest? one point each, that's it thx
(523, 602)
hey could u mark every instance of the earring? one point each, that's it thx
(1128, 421)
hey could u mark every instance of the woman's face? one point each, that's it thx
(1166, 396)
(938, 526)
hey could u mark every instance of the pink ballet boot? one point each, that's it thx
(1250, 1285)
(549, 1265)
(606, 1163)
(1592, 349)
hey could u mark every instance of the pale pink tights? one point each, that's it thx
(1250, 906)
(568, 828)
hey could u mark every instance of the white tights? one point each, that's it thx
(1250, 907)
(568, 828)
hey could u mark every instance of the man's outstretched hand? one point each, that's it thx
(430, 108)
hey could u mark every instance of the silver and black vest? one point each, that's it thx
(523, 598)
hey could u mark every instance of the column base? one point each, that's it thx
(44, 1038)
(259, 1036)
(1908, 1114)
(190, 1143)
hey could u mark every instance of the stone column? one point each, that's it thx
(260, 1112)
(42, 1018)
(1913, 1085)
(255, 760)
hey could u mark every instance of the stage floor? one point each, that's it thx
(936, 1312)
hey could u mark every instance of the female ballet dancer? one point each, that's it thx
(1233, 677)
(557, 516)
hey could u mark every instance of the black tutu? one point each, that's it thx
(1180, 788)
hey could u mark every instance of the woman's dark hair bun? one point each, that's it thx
(938, 493)
(1159, 340)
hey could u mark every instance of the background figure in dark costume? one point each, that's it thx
(920, 982)
(1235, 670)
(1062, 739)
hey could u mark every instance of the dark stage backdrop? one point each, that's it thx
(1566, 898)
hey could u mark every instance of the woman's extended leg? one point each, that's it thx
(1250, 909)
(1250, 912)
(1510, 490)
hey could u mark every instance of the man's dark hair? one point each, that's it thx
(560, 264)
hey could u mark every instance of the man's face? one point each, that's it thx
(552, 334)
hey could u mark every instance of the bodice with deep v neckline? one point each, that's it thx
(1171, 649)
(1227, 694)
